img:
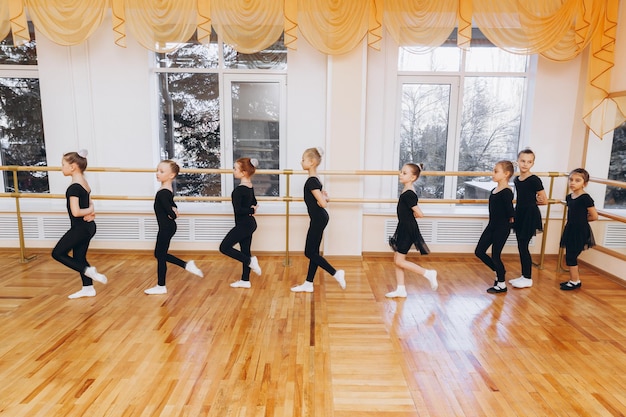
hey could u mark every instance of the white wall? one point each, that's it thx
(102, 97)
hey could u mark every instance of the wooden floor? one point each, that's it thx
(206, 349)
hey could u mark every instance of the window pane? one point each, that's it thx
(274, 57)
(256, 117)
(190, 128)
(19, 55)
(439, 59)
(490, 128)
(21, 133)
(191, 54)
(424, 132)
(615, 196)
(484, 59)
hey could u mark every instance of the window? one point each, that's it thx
(615, 197)
(460, 111)
(21, 123)
(217, 105)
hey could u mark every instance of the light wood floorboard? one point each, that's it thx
(206, 349)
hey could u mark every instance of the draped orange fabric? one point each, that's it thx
(18, 22)
(67, 22)
(161, 25)
(333, 27)
(248, 25)
(5, 24)
(557, 29)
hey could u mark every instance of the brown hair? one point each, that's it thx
(77, 158)
(416, 169)
(173, 166)
(246, 166)
(582, 172)
(507, 167)
(527, 151)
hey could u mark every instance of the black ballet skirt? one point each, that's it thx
(407, 232)
(577, 237)
(402, 240)
(527, 215)
(577, 234)
(527, 221)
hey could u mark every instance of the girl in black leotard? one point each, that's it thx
(244, 206)
(166, 212)
(577, 235)
(316, 201)
(530, 194)
(408, 233)
(83, 227)
(501, 215)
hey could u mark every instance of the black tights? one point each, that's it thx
(494, 236)
(164, 237)
(525, 258)
(77, 240)
(242, 234)
(312, 249)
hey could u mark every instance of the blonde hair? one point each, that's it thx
(315, 154)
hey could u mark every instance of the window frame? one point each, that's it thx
(226, 76)
(30, 71)
(403, 77)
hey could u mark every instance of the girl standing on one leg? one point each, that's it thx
(501, 215)
(166, 213)
(316, 202)
(530, 194)
(577, 235)
(82, 225)
(244, 206)
(407, 232)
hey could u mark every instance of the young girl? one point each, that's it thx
(501, 214)
(577, 234)
(244, 206)
(408, 233)
(530, 194)
(166, 212)
(82, 225)
(316, 202)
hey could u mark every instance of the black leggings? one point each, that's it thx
(494, 236)
(242, 234)
(571, 256)
(312, 249)
(164, 237)
(525, 258)
(77, 240)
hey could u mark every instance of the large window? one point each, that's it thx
(460, 111)
(21, 123)
(615, 196)
(217, 105)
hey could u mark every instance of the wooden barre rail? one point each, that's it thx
(287, 199)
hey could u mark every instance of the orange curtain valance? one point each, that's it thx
(557, 29)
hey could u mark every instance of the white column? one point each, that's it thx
(345, 140)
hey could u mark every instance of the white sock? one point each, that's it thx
(88, 291)
(399, 292)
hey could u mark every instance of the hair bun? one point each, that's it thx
(320, 150)
(254, 162)
(83, 153)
